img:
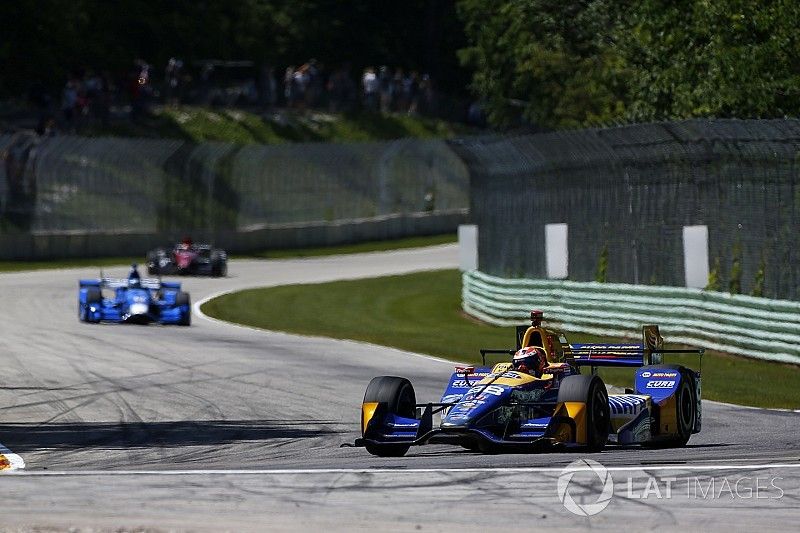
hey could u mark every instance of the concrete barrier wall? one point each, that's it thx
(744, 325)
(78, 244)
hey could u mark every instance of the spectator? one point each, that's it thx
(288, 86)
(300, 81)
(267, 87)
(172, 81)
(411, 92)
(341, 90)
(140, 89)
(385, 84)
(314, 83)
(398, 103)
(69, 103)
(371, 88)
(427, 98)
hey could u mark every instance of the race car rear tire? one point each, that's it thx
(398, 395)
(219, 266)
(590, 390)
(686, 405)
(182, 298)
(93, 296)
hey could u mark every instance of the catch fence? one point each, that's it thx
(70, 183)
(627, 192)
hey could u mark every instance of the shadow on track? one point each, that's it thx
(113, 435)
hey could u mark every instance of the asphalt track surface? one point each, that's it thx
(220, 427)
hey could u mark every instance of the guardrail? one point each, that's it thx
(744, 325)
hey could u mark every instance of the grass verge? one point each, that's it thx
(362, 247)
(194, 123)
(422, 313)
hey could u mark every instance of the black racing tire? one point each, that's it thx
(219, 265)
(93, 296)
(471, 446)
(590, 390)
(686, 405)
(398, 395)
(182, 298)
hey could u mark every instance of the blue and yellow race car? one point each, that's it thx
(541, 400)
(133, 300)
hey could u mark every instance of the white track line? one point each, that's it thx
(395, 471)
(198, 312)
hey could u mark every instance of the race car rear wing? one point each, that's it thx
(650, 352)
(117, 283)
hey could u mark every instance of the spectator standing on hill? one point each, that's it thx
(411, 92)
(69, 103)
(371, 87)
(139, 88)
(300, 85)
(172, 81)
(340, 90)
(314, 83)
(427, 99)
(398, 102)
(288, 86)
(268, 87)
(385, 84)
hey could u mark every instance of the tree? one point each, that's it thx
(553, 62)
(728, 58)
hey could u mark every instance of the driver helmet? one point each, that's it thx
(530, 360)
(134, 280)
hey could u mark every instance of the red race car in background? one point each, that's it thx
(187, 259)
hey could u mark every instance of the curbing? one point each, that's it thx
(743, 325)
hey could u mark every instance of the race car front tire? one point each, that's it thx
(398, 395)
(591, 391)
(93, 296)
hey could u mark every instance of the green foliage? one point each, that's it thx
(601, 275)
(568, 64)
(729, 58)
(553, 60)
(758, 284)
(714, 281)
(735, 283)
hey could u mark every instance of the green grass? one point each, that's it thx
(422, 313)
(363, 247)
(246, 127)
(358, 248)
(20, 266)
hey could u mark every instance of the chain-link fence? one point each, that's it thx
(627, 192)
(114, 184)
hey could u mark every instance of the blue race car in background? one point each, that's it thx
(133, 300)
